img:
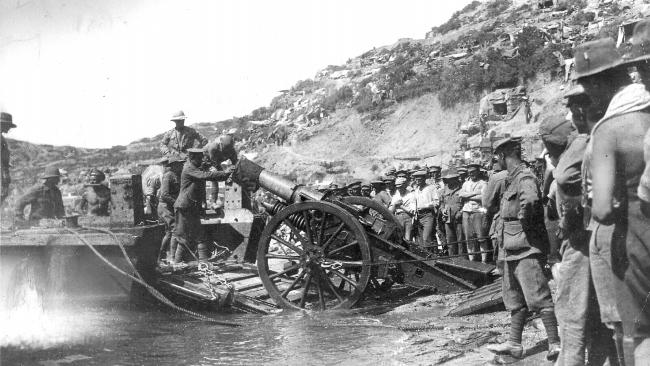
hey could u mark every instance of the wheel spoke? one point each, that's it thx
(355, 242)
(331, 287)
(286, 243)
(289, 269)
(303, 297)
(305, 215)
(321, 299)
(278, 256)
(321, 230)
(288, 289)
(331, 238)
(345, 263)
(344, 278)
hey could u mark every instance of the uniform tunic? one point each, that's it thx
(45, 202)
(169, 189)
(524, 243)
(450, 207)
(178, 141)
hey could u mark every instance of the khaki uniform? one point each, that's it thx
(178, 141)
(45, 203)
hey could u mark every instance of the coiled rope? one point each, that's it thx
(138, 278)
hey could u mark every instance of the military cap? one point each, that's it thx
(506, 141)
(556, 130)
(391, 171)
(401, 173)
(164, 160)
(388, 179)
(594, 57)
(51, 172)
(6, 118)
(195, 150)
(473, 166)
(376, 181)
(461, 169)
(435, 168)
(574, 91)
(640, 43)
(419, 173)
(366, 185)
(354, 184)
(400, 181)
(450, 175)
(178, 116)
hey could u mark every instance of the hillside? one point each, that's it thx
(433, 100)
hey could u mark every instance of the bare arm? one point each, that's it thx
(603, 169)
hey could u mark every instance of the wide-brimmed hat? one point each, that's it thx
(178, 116)
(51, 172)
(574, 91)
(6, 118)
(506, 141)
(419, 173)
(434, 168)
(473, 166)
(461, 169)
(640, 43)
(354, 184)
(452, 174)
(400, 181)
(595, 57)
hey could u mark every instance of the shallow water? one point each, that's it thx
(116, 334)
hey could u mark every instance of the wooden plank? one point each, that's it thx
(483, 299)
(467, 265)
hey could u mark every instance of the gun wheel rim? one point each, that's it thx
(319, 266)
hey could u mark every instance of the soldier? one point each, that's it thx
(403, 206)
(218, 151)
(473, 213)
(615, 153)
(525, 245)
(381, 194)
(44, 199)
(180, 138)
(169, 189)
(462, 174)
(426, 204)
(435, 174)
(390, 184)
(491, 200)
(96, 197)
(151, 179)
(354, 188)
(436, 182)
(451, 213)
(188, 206)
(6, 124)
(365, 190)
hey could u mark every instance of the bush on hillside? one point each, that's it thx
(260, 114)
(496, 8)
(341, 95)
(454, 22)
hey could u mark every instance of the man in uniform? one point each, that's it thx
(436, 181)
(6, 124)
(151, 179)
(169, 189)
(426, 205)
(473, 214)
(96, 197)
(44, 199)
(180, 138)
(462, 174)
(403, 206)
(381, 194)
(525, 246)
(365, 189)
(354, 188)
(451, 213)
(188, 206)
(218, 151)
(390, 184)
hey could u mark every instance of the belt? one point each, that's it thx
(508, 219)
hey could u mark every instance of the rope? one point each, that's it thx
(155, 293)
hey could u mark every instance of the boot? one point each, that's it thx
(510, 348)
(553, 351)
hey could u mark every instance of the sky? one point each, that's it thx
(93, 73)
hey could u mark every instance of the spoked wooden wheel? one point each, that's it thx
(314, 255)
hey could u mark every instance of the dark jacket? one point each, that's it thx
(46, 203)
(192, 189)
(169, 189)
(521, 209)
(450, 204)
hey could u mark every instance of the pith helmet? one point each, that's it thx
(640, 43)
(51, 172)
(595, 57)
(178, 116)
(6, 118)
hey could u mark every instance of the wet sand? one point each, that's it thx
(435, 338)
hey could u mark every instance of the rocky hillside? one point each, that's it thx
(496, 67)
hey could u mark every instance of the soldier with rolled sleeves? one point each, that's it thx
(96, 197)
(44, 199)
(218, 151)
(451, 213)
(169, 189)
(403, 206)
(188, 206)
(180, 138)
(473, 213)
(426, 205)
(525, 246)
(6, 124)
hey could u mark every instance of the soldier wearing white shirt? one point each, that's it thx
(473, 212)
(427, 203)
(403, 206)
